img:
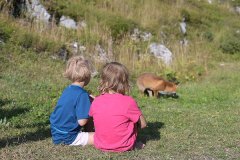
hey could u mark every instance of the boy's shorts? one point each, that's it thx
(81, 139)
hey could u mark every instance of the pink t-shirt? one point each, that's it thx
(115, 116)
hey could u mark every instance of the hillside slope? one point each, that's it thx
(193, 33)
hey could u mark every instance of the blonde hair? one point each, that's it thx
(78, 70)
(114, 77)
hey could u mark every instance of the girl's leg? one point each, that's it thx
(90, 138)
(138, 144)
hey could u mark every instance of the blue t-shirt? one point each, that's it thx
(74, 104)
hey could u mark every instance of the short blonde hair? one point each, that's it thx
(114, 76)
(78, 70)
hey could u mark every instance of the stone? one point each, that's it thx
(68, 22)
(162, 52)
(138, 35)
(183, 28)
(101, 55)
(37, 11)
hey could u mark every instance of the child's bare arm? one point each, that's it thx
(82, 122)
(142, 123)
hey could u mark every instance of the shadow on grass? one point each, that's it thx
(32, 125)
(152, 132)
(40, 134)
(4, 102)
(9, 113)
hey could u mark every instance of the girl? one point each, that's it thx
(115, 114)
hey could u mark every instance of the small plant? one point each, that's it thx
(28, 40)
(5, 31)
(172, 76)
(3, 122)
(208, 35)
(186, 15)
(235, 3)
(231, 44)
(120, 26)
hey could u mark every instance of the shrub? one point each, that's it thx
(36, 42)
(235, 3)
(231, 44)
(28, 40)
(185, 14)
(208, 35)
(5, 31)
(120, 26)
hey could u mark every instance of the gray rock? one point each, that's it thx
(75, 48)
(138, 35)
(101, 55)
(146, 36)
(37, 11)
(63, 54)
(68, 22)
(161, 52)
(237, 9)
(210, 1)
(184, 42)
(1, 42)
(183, 27)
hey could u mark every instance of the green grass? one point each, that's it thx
(202, 124)
(115, 20)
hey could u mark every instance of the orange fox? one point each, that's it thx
(151, 82)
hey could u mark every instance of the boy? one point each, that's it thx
(71, 111)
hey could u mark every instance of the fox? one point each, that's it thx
(148, 82)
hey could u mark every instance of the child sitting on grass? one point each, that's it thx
(116, 115)
(71, 111)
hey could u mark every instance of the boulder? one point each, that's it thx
(37, 11)
(68, 22)
(162, 52)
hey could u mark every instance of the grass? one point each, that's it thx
(114, 21)
(202, 124)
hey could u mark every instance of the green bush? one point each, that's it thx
(120, 26)
(35, 42)
(46, 45)
(186, 15)
(28, 40)
(231, 44)
(117, 24)
(5, 31)
(208, 35)
(235, 3)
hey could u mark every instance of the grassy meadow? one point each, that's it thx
(202, 124)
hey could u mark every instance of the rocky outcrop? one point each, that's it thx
(162, 52)
(138, 35)
(37, 10)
